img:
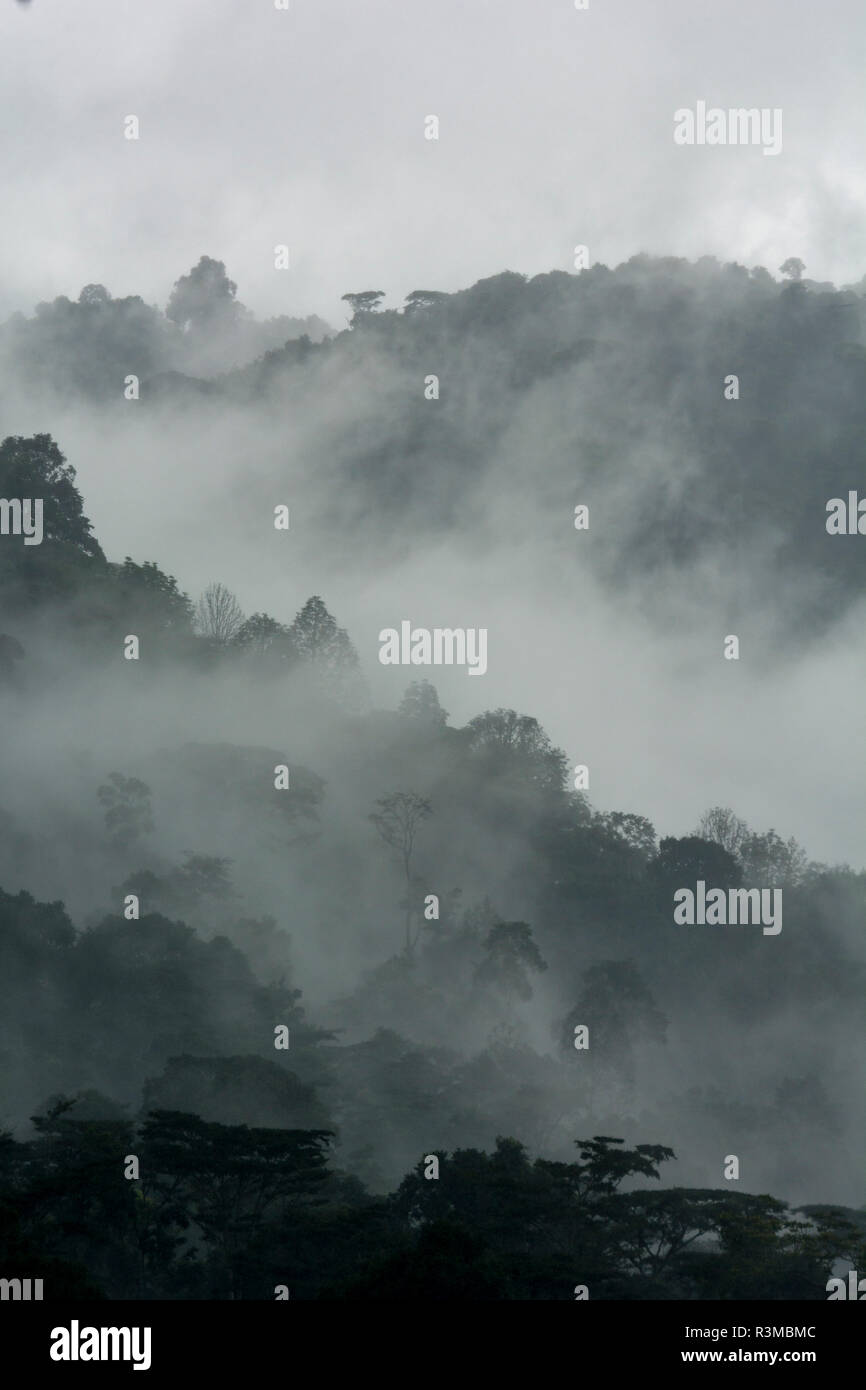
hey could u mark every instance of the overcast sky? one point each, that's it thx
(260, 126)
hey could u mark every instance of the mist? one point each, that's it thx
(224, 815)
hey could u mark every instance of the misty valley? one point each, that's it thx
(310, 989)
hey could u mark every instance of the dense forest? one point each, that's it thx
(299, 992)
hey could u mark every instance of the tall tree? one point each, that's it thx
(423, 299)
(204, 297)
(793, 268)
(328, 651)
(127, 809)
(770, 861)
(262, 636)
(508, 742)
(510, 956)
(680, 862)
(421, 706)
(149, 595)
(36, 468)
(724, 828)
(397, 821)
(363, 302)
(618, 1008)
(229, 1178)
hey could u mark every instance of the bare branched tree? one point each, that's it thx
(721, 825)
(218, 615)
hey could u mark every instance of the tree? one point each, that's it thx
(127, 809)
(720, 825)
(94, 296)
(149, 595)
(770, 861)
(31, 930)
(262, 635)
(327, 649)
(84, 1205)
(35, 467)
(681, 862)
(421, 706)
(397, 822)
(621, 1014)
(204, 297)
(635, 831)
(602, 1167)
(537, 1216)
(793, 268)
(228, 1178)
(218, 615)
(364, 302)
(194, 887)
(423, 299)
(446, 1262)
(316, 636)
(510, 742)
(236, 1090)
(511, 954)
(203, 876)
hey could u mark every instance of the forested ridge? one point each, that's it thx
(287, 1034)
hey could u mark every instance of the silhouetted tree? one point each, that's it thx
(35, 467)
(508, 742)
(510, 956)
(204, 297)
(793, 268)
(263, 636)
(127, 809)
(219, 616)
(397, 821)
(420, 704)
(364, 302)
(724, 828)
